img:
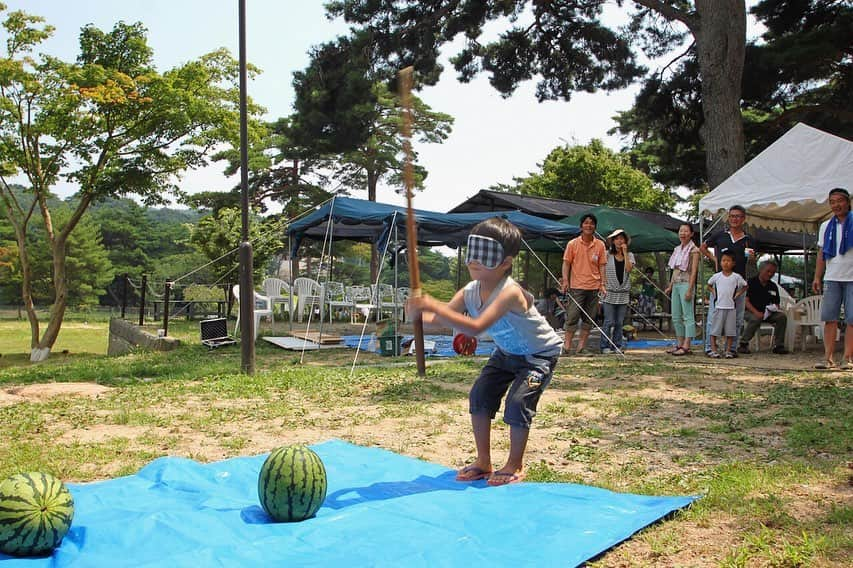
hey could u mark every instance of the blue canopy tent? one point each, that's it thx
(368, 221)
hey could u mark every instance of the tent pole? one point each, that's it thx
(805, 265)
(699, 286)
(459, 266)
(290, 258)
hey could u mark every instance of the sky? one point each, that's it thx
(493, 139)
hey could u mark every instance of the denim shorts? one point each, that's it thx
(835, 294)
(525, 376)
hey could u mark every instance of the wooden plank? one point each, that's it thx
(314, 336)
(294, 344)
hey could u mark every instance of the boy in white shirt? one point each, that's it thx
(726, 286)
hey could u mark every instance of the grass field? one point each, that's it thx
(767, 445)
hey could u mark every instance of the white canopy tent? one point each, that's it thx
(786, 186)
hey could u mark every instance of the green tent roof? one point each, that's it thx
(645, 236)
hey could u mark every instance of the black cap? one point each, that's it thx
(840, 190)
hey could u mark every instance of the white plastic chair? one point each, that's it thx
(278, 291)
(403, 294)
(362, 300)
(337, 299)
(384, 298)
(763, 329)
(809, 310)
(309, 293)
(263, 308)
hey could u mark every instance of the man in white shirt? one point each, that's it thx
(834, 277)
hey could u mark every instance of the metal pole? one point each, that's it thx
(124, 295)
(247, 287)
(167, 293)
(142, 300)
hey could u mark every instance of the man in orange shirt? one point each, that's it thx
(583, 270)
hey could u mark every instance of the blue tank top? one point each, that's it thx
(516, 334)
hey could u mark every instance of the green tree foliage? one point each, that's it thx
(335, 102)
(348, 120)
(137, 238)
(109, 123)
(88, 271)
(380, 155)
(799, 70)
(279, 171)
(567, 48)
(595, 174)
(217, 237)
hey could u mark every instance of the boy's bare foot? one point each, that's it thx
(500, 477)
(473, 472)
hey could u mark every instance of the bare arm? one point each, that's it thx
(694, 274)
(753, 309)
(511, 298)
(457, 304)
(707, 254)
(817, 283)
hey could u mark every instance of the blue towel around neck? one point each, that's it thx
(829, 247)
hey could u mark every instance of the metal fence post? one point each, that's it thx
(124, 295)
(142, 300)
(166, 294)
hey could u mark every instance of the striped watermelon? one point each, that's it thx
(292, 484)
(35, 513)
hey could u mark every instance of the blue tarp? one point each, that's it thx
(368, 221)
(443, 345)
(382, 509)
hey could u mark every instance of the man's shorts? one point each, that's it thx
(724, 322)
(524, 376)
(835, 294)
(586, 299)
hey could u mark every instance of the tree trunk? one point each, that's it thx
(372, 180)
(720, 47)
(27, 286)
(57, 312)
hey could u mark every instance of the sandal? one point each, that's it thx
(505, 478)
(825, 365)
(472, 473)
(713, 354)
(681, 351)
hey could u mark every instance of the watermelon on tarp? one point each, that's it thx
(292, 484)
(36, 510)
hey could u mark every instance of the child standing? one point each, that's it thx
(726, 286)
(646, 300)
(527, 347)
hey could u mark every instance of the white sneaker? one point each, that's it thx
(606, 351)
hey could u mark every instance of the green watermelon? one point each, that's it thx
(35, 513)
(292, 484)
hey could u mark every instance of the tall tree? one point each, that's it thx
(799, 70)
(567, 46)
(595, 174)
(217, 236)
(109, 122)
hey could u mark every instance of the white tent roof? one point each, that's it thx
(786, 186)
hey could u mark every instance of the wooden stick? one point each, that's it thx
(405, 82)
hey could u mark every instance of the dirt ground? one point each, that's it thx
(637, 441)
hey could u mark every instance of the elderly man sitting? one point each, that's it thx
(762, 305)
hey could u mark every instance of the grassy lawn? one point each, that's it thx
(769, 449)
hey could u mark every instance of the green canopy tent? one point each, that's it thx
(645, 236)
